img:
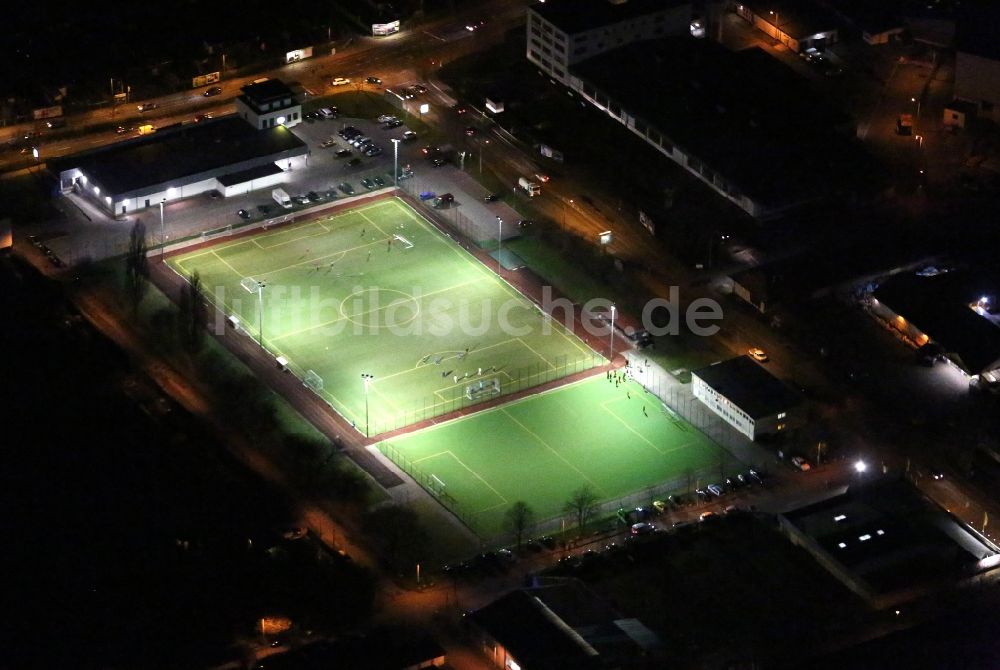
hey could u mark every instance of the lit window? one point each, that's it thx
(782, 415)
(840, 517)
(842, 545)
(880, 532)
(865, 537)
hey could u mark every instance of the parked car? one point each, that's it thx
(147, 106)
(643, 528)
(243, 214)
(373, 80)
(313, 196)
(327, 112)
(343, 153)
(367, 183)
(215, 90)
(385, 118)
(801, 463)
(409, 136)
(340, 81)
(379, 181)
(346, 188)
(758, 355)
(715, 490)
(492, 197)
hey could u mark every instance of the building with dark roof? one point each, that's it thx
(748, 397)
(562, 627)
(889, 543)
(268, 103)
(765, 153)
(181, 162)
(798, 24)
(379, 649)
(977, 58)
(955, 310)
(564, 32)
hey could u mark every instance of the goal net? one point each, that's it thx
(313, 381)
(482, 389)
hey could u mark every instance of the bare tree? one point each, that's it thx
(582, 504)
(519, 517)
(136, 266)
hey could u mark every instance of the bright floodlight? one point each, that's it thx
(860, 466)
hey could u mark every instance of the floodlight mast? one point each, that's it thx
(367, 379)
(251, 285)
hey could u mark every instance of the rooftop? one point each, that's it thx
(266, 91)
(747, 116)
(798, 19)
(749, 386)
(180, 153)
(942, 307)
(890, 536)
(577, 16)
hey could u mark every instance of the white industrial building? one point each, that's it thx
(226, 155)
(748, 397)
(564, 32)
(977, 61)
(267, 104)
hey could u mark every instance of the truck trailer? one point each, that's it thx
(530, 187)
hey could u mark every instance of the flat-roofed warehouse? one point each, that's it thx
(748, 397)
(181, 162)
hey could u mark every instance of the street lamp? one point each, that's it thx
(367, 379)
(777, 31)
(499, 243)
(395, 161)
(860, 466)
(163, 238)
(612, 358)
(916, 101)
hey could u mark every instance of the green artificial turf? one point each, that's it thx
(542, 448)
(378, 290)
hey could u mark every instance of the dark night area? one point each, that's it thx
(500, 335)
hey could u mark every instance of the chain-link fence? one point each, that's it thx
(482, 233)
(430, 483)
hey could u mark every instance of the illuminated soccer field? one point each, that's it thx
(615, 439)
(377, 290)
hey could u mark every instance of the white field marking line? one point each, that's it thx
(532, 350)
(226, 263)
(506, 287)
(642, 437)
(545, 444)
(373, 223)
(455, 353)
(325, 231)
(366, 313)
(475, 474)
(342, 253)
(395, 407)
(253, 238)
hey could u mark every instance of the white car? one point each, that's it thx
(758, 355)
(386, 118)
(340, 81)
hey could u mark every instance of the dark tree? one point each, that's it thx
(136, 266)
(399, 536)
(582, 504)
(190, 323)
(519, 518)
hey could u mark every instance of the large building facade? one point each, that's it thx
(564, 32)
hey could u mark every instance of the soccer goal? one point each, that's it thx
(406, 243)
(482, 389)
(313, 381)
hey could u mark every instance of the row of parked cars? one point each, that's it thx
(49, 254)
(359, 141)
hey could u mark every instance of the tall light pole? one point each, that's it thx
(777, 31)
(499, 243)
(163, 238)
(395, 161)
(367, 379)
(917, 102)
(612, 358)
(251, 285)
